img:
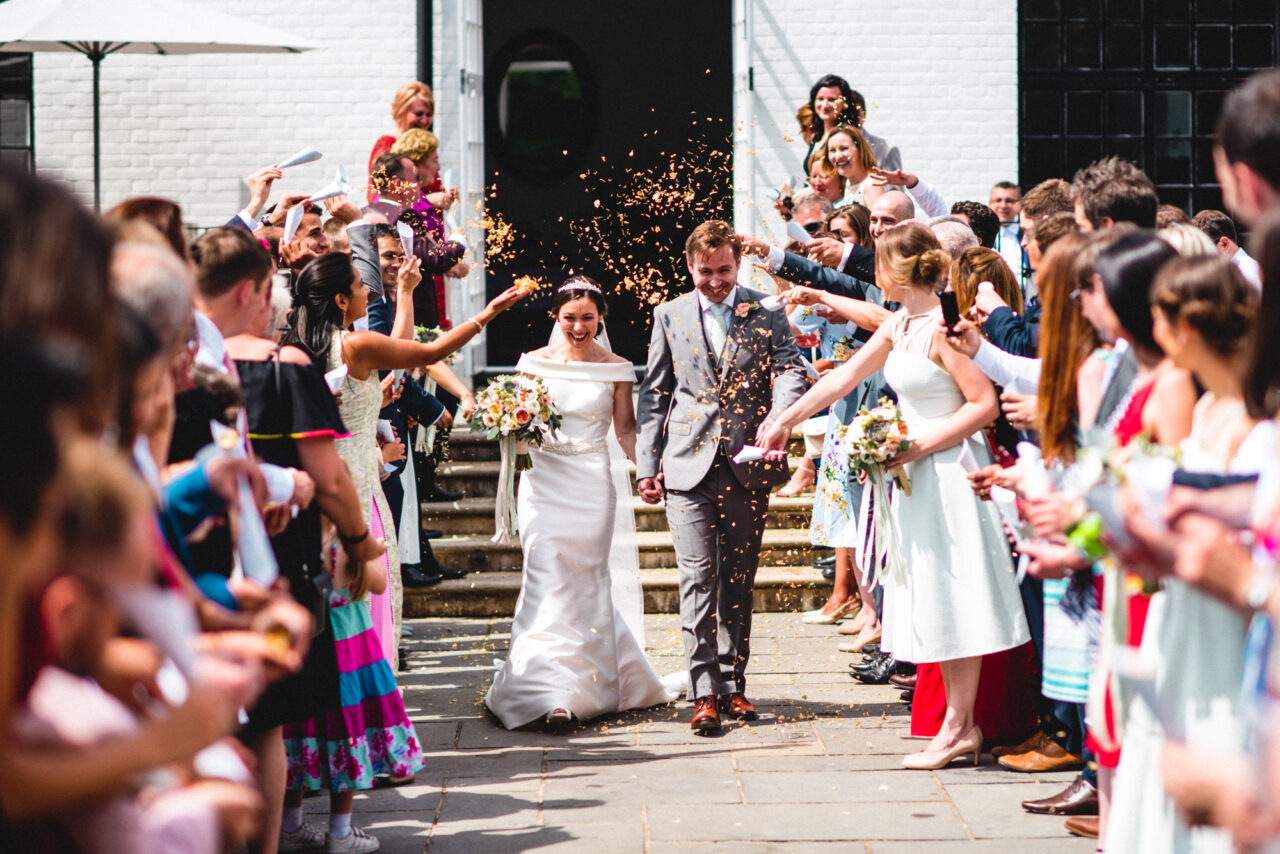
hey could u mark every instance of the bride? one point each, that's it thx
(577, 647)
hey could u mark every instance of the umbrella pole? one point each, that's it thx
(96, 59)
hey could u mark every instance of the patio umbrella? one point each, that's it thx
(97, 29)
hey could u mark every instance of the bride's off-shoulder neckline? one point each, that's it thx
(608, 372)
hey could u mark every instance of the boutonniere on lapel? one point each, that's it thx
(745, 307)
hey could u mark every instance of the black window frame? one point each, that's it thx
(16, 84)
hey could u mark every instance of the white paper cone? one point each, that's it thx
(773, 303)
(796, 232)
(748, 454)
(967, 460)
(164, 617)
(292, 220)
(406, 238)
(339, 186)
(306, 155)
(335, 377)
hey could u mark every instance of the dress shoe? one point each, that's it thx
(739, 707)
(1029, 743)
(877, 673)
(705, 717)
(928, 760)
(861, 642)
(824, 562)
(904, 680)
(907, 697)
(1082, 825)
(412, 576)
(438, 494)
(829, 572)
(1048, 755)
(446, 572)
(1080, 798)
(432, 533)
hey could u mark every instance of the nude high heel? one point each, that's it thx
(927, 761)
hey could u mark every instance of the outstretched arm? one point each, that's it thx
(835, 385)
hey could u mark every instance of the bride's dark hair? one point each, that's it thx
(577, 287)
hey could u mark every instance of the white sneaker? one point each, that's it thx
(356, 840)
(308, 837)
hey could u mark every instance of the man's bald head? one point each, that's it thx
(889, 210)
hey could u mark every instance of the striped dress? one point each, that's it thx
(370, 735)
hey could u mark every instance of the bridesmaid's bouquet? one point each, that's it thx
(518, 407)
(875, 436)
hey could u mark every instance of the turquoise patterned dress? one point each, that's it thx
(836, 494)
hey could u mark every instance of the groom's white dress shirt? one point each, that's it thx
(709, 317)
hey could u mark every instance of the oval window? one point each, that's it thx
(542, 114)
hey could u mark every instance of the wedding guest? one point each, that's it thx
(852, 223)
(1222, 231)
(804, 118)
(933, 617)
(413, 106)
(1112, 190)
(890, 210)
(1003, 200)
(810, 210)
(422, 147)
(849, 155)
(953, 233)
(1167, 215)
(1246, 150)
(981, 219)
(833, 103)
(824, 181)
(163, 215)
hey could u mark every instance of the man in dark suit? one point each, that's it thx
(414, 402)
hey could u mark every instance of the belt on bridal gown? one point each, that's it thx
(572, 447)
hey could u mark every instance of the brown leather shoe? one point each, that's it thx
(1047, 756)
(1030, 743)
(1082, 825)
(739, 707)
(904, 680)
(705, 716)
(1080, 798)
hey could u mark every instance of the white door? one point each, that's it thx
(744, 118)
(468, 295)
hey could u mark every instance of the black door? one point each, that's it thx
(607, 138)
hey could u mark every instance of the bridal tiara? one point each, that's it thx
(580, 286)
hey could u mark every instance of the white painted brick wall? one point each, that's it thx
(941, 83)
(190, 127)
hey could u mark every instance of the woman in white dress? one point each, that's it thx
(577, 645)
(952, 597)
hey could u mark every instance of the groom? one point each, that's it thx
(720, 369)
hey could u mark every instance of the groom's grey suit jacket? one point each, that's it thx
(691, 402)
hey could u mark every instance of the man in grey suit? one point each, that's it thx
(720, 369)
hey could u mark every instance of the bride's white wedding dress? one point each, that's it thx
(576, 641)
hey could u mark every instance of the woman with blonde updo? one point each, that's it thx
(413, 107)
(950, 595)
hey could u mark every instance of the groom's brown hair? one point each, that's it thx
(710, 236)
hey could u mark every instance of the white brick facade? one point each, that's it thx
(191, 127)
(940, 80)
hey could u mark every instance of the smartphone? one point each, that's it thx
(950, 310)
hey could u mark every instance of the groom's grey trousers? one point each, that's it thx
(717, 527)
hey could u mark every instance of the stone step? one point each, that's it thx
(479, 478)
(467, 446)
(494, 594)
(781, 547)
(475, 515)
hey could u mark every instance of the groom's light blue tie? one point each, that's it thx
(719, 328)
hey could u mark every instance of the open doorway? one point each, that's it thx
(608, 136)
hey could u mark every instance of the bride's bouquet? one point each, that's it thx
(875, 436)
(516, 407)
(517, 410)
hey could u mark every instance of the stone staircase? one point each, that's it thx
(786, 579)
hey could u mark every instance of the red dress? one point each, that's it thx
(1007, 689)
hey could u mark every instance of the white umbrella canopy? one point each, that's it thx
(99, 28)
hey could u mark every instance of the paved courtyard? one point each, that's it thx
(818, 772)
